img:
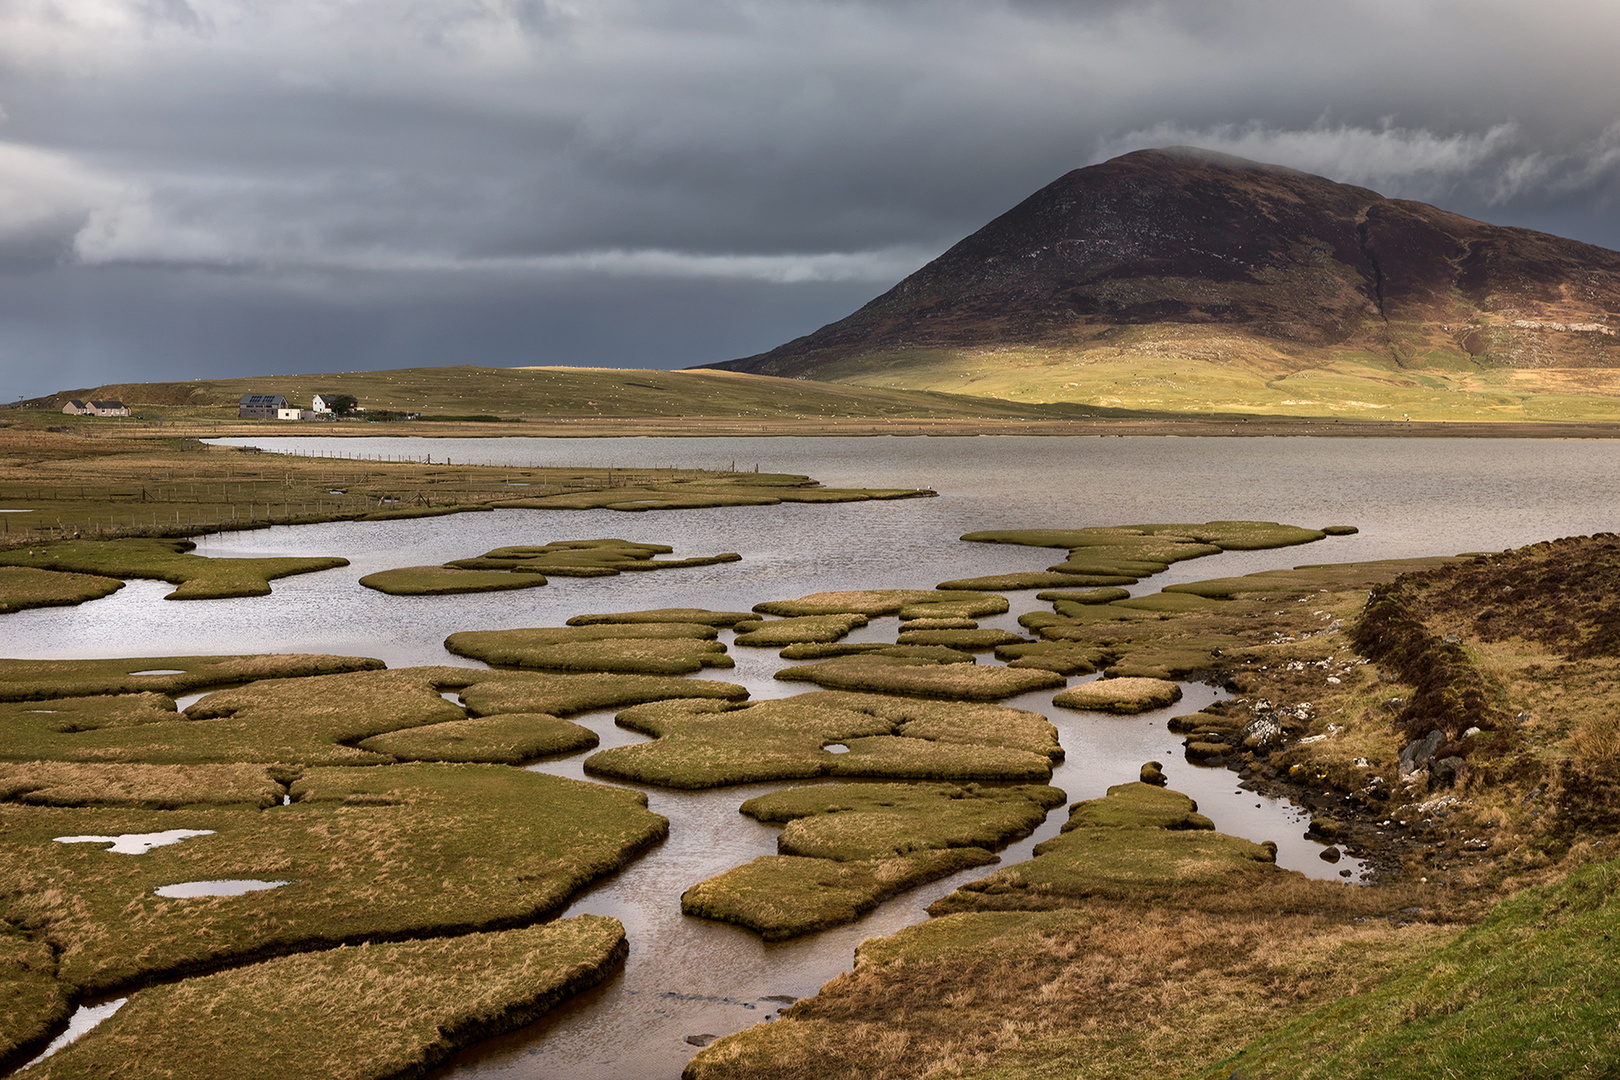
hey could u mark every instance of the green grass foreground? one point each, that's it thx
(197, 577)
(400, 1008)
(1532, 991)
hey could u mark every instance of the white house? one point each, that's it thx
(260, 406)
(290, 413)
(109, 408)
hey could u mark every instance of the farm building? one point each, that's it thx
(76, 407)
(260, 406)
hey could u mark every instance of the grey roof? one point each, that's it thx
(269, 400)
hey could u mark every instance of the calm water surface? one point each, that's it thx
(688, 976)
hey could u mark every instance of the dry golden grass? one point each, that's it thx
(157, 787)
(1112, 991)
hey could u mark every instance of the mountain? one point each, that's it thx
(1183, 257)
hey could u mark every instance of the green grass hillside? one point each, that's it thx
(1171, 369)
(485, 392)
(1532, 991)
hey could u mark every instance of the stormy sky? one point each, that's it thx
(222, 187)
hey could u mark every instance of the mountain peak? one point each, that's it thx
(1208, 244)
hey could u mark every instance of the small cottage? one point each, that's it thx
(109, 408)
(78, 408)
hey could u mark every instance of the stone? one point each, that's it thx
(1445, 772)
(1418, 752)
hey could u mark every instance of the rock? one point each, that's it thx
(1323, 828)
(1261, 733)
(1329, 854)
(1152, 773)
(1417, 753)
(1445, 772)
(701, 1040)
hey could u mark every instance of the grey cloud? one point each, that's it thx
(531, 165)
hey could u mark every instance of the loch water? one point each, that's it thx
(689, 977)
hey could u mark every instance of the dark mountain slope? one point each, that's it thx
(1296, 262)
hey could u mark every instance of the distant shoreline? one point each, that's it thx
(733, 427)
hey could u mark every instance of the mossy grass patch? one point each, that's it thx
(938, 654)
(1120, 695)
(36, 680)
(906, 603)
(508, 739)
(368, 854)
(1063, 657)
(1340, 530)
(1028, 579)
(783, 896)
(939, 624)
(401, 1007)
(666, 615)
(526, 567)
(970, 640)
(1136, 551)
(700, 744)
(798, 630)
(197, 577)
(1084, 596)
(23, 587)
(1117, 863)
(448, 580)
(847, 847)
(1310, 577)
(1138, 805)
(586, 558)
(563, 694)
(642, 648)
(899, 675)
(848, 822)
(323, 719)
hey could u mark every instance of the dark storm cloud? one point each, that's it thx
(195, 186)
